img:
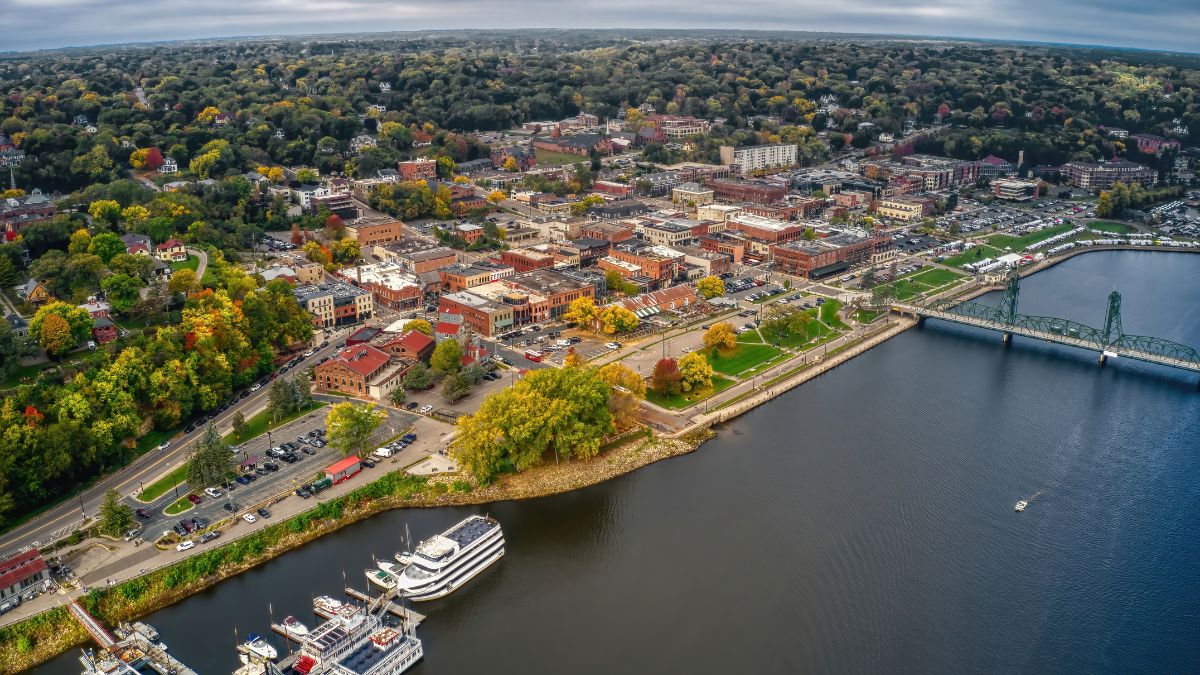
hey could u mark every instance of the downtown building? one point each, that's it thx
(759, 157)
(1096, 176)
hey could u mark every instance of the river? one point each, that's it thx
(862, 523)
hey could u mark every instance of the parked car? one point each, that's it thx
(185, 545)
(426, 409)
(229, 506)
(256, 387)
(303, 493)
(244, 480)
(142, 513)
(213, 492)
(249, 518)
(209, 536)
(164, 445)
(195, 499)
(367, 464)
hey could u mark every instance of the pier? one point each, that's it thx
(131, 652)
(411, 618)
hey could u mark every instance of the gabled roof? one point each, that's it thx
(413, 340)
(363, 359)
(172, 243)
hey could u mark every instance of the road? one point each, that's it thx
(43, 529)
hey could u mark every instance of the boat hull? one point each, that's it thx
(442, 590)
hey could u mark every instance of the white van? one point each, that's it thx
(383, 452)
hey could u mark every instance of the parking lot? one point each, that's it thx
(251, 459)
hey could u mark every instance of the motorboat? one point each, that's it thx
(1021, 505)
(257, 645)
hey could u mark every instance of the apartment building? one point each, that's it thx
(659, 263)
(418, 169)
(462, 276)
(692, 193)
(767, 230)
(759, 157)
(335, 304)
(1103, 175)
(904, 208)
(758, 192)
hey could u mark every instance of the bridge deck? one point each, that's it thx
(98, 632)
(1053, 337)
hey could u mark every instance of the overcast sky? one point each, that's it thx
(1152, 24)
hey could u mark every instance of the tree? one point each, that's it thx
(562, 411)
(616, 319)
(628, 392)
(447, 356)
(297, 235)
(122, 291)
(417, 378)
(79, 322)
(105, 210)
(202, 165)
(572, 359)
(8, 273)
(183, 282)
(115, 518)
(13, 348)
(710, 287)
(137, 158)
(208, 115)
(301, 390)
(695, 372)
(349, 426)
(154, 158)
(280, 400)
(497, 196)
(81, 239)
(720, 336)
(666, 378)
(239, 424)
(209, 461)
(397, 396)
(582, 312)
(419, 325)
(510, 165)
(454, 387)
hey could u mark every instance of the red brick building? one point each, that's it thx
(746, 191)
(412, 344)
(524, 260)
(825, 257)
(418, 169)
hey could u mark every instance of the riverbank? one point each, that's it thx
(38, 639)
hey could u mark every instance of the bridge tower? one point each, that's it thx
(1008, 309)
(1113, 330)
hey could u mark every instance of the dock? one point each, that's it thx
(411, 618)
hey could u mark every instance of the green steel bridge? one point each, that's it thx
(1111, 340)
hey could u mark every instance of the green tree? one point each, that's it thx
(122, 291)
(209, 461)
(281, 400)
(454, 387)
(106, 245)
(417, 378)
(447, 356)
(78, 321)
(8, 273)
(13, 348)
(349, 426)
(396, 396)
(301, 390)
(183, 282)
(239, 424)
(115, 518)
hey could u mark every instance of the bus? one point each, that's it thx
(534, 355)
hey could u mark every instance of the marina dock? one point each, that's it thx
(411, 617)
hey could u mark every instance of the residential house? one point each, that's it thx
(171, 250)
(33, 292)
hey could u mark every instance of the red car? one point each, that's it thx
(195, 499)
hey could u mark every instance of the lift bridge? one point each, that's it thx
(1111, 340)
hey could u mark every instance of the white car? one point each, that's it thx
(256, 387)
(213, 492)
(164, 445)
(426, 408)
(185, 545)
(563, 343)
(249, 518)
(309, 353)
(383, 452)
(612, 345)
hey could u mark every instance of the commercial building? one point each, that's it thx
(676, 127)
(717, 213)
(1103, 175)
(413, 345)
(727, 244)
(23, 572)
(485, 317)
(335, 304)
(557, 292)
(309, 273)
(17, 212)
(824, 257)
(658, 263)
(373, 234)
(361, 370)
(390, 283)
(417, 256)
(1014, 190)
(418, 169)
(671, 231)
(905, 208)
(710, 262)
(462, 276)
(611, 188)
(586, 250)
(759, 192)
(609, 231)
(692, 193)
(526, 259)
(763, 229)
(758, 157)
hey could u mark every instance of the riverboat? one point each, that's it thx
(446, 561)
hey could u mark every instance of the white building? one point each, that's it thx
(756, 157)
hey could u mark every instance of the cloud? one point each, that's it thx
(1151, 24)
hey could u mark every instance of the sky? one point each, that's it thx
(1149, 24)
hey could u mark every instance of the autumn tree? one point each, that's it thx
(720, 336)
(105, 210)
(208, 115)
(349, 426)
(79, 322)
(297, 235)
(628, 392)
(666, 378)
(137, 158)
(55, 336)
(582, 312)
(183, 282)
(695, 372)
(154, 158)
(616, 319)
(447, 356)
(496, 196)
(419, 325)
(710, 287)
(572, 359)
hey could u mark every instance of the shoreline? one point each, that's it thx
(54, 632)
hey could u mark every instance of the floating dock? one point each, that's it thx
(411, 618)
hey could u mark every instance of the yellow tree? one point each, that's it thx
(710, 287)
(208, 115)
(582, 312)
(55, 335)
(510, 165)
(496, 196)
(720, 336)
(419, 325)
(696, 372)
(628, 392)
(616, 319)
(572, 359)
(137, 158)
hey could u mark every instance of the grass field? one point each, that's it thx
(262, 423)
(829, 315)
(972, 255)
(685, 399)
(745, 357)
(192, 263)
(936, 277)
(751, 336)
(178, 506)
(557, 158)
(864, 316)
(1115, 228)
(1019, 243)
(161, 486)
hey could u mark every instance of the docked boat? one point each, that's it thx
(325, 606)
(291, 628)
(258, 646)
(446, 561)
(1021, 505)
(381, 578)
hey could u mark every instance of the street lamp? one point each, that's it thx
(84, 513)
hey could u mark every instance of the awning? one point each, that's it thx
(828, 270)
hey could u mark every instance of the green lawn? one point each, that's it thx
(192, 263)
(1019, 243)
(20, 373)
(750, 337)
(864, 316)
(165, 484)
(1109, 226)
(972, 255)
(678, 401)
(744, 357)
(262, 423)
(829, 314)
(178, 506)
(936, 277)
(557, 158)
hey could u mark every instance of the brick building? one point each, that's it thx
(418, 169)
(759, 192)
(363, 371)
(373, 234)
(825, 257)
